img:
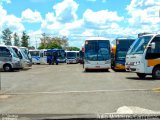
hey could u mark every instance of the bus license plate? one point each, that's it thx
(97, 66)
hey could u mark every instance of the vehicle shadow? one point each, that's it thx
(96, 71)
(119, 70)
(146, 79)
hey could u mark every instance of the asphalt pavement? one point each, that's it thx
(67, 89)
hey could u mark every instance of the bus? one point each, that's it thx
(25, 63)
(8, 59)
(97, 53)
(58, 53)
(72, 56)
(35, 56)
(61, 56)
(119, 51)
(143, 57)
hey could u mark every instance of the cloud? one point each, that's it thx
(101, 17)
(66, 11)
(31, 16)
(10, 21)
(143, 12)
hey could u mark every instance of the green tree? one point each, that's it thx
(48, 42)
(6, 36)
(73, 48)
(24, 39)
(16, 39)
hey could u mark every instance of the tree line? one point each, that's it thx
(47, 42)
(7, 38)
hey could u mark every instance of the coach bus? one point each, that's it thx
(97, 53)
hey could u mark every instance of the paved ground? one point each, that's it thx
(67, 89)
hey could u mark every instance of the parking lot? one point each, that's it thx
(66, 88)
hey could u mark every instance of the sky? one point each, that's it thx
(78, 19)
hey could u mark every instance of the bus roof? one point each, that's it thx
(71, 51)
(125, 39)
(97, 38)
(151, 35)
(3, 46)
(34, 50)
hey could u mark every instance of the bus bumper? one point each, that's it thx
(119, 67)
(91, 66)
(135, 68)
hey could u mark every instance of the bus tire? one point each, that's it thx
(141, 75)
(86, 70)
(156, 73)
(7, 68)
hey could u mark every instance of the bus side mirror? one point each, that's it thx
(153, 45)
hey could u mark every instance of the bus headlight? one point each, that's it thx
(137, 63)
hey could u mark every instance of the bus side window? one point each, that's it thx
(154, 53)
(4, 52)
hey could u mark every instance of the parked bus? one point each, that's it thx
(119, 51)
(58, 53)
(72, 57)
(8, 59)
(97, 53)
(25, 63)
(61, 56)
(143, 57)
(35, 56)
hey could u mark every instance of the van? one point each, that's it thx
(25, 63)
(8, 59)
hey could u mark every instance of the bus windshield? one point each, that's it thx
(122, 47)
(13, 52)
(26, 53)
(71, 55)
(97, 50)
(139, 45)
(34, 53)
(61, 54)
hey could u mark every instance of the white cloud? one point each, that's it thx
(101, 17)
(66, 11)
(144, 12)
(31, 16)
(10, 21)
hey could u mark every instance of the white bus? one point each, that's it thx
(143, 56)
(35, 56)
(25, 62)
(97, 53)
(8, 59)
(43, 57)
(72, 56)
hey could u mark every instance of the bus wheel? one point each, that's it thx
(156, 73)
(141, 75)
(86, 70)
(7, 68)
